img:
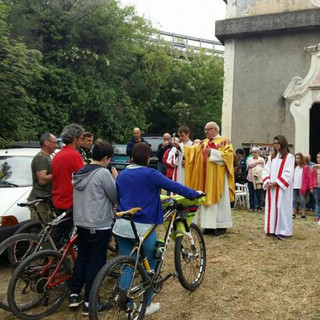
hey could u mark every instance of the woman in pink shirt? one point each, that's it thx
(315, 185)
(300, 185)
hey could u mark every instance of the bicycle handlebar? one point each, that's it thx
(31, 203)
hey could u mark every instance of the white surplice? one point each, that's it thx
(217, 215)
(175, 158)
(278, 202)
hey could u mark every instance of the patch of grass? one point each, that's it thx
(249, 277)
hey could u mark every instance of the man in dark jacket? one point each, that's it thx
(161, 150)
(136, 138)
(86, 145)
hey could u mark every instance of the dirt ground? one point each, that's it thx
(249, 277)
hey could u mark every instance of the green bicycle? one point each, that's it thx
(130, 302)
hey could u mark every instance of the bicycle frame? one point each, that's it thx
(66, 249)
(171, 217)
(46, 227)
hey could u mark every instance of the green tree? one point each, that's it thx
(20, 69)
(101, 71)
(192, 95)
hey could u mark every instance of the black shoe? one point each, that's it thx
(281, 237)
(85, 310)
(75, 301)
(101, 307)
(209, 231)
(220, 231)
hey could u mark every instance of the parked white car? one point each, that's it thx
(15, 187)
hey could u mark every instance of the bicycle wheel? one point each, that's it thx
(12, 251)
(190, 258)
(112, 294)
(22, 245)
(30, 296)
(33, 227)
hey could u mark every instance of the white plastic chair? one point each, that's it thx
(242, 195)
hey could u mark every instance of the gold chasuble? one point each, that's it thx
(202, 174)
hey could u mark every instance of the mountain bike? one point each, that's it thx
(38, 285)
(126, 294)
(36, 226)
(19, 246)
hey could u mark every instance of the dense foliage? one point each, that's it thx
(91, 62)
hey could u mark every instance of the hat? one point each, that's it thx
(255, 149)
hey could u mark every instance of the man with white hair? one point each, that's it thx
(209, 167)
(162, 148)
(255, 165)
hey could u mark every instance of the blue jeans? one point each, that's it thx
(312, 201)
(92, 255)
(253, 196)
(125, 247)
(296, 196)
(317, 201)
(161, 167)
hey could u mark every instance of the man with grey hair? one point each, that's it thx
(64, 164)
(209, 167)
(42, 177)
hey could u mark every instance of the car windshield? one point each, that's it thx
(15, 171)
(120, 150)
(154, 141)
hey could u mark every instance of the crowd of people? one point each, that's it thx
(77, 177)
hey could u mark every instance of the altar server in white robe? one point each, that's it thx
(277, 181)
(184, 137)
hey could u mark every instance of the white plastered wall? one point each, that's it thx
(301, 94)
(229, 45)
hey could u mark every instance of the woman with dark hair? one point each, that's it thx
(300, 185)
(140, 186)
(277, 180)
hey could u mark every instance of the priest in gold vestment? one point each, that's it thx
(209, 167)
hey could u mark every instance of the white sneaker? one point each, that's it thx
(153, 308)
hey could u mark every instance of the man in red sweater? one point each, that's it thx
(64, 164)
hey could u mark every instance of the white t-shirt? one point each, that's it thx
(297, 180)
